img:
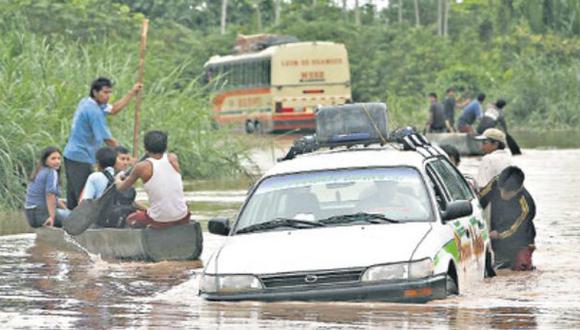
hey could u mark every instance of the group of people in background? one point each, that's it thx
(92, 169)
(442, 114)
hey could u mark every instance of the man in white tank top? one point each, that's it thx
(162, 182)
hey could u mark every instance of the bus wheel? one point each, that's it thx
(250, 127)
(257, 127)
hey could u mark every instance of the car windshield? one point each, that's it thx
(338, 198)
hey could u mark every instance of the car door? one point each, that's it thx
(467, 230)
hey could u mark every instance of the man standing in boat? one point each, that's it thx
(89, 131)
(161, 177)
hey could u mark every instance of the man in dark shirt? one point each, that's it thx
(436, 123)
(449, 107)
(512, 212)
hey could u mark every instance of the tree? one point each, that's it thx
(417, 21)
(344, 11)
(277, 5)
(224, 16)
(439, 17)
(256, 5)
(446, 6)
(356, 13)
(400, 11)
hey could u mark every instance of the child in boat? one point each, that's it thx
(98, 181)
(42, 204)
(123, 202)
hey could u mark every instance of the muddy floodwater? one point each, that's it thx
(43, 287)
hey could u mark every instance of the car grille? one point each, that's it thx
(312, 278)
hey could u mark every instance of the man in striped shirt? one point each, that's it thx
(512, 212)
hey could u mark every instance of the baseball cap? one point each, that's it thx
(492, 134)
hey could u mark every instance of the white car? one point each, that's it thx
(363, 223)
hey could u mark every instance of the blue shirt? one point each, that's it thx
(470, 113)
(89, 131)
(45, 182)
(96, 184)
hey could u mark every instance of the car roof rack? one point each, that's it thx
(410, 140)
(418, 142)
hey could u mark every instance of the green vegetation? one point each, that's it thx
(525, 51)
(43, 76)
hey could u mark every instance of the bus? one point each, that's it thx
(280, 87)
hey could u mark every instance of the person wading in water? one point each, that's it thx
(512, 213)
(163, 184)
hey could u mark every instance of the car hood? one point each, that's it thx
(317, 248)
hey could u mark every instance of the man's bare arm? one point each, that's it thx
(174, 162)
(111, 142)
(126, 183)
(122, 103)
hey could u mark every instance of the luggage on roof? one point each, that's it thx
(348, 124)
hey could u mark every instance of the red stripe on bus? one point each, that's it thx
(219, 99)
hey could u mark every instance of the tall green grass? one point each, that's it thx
(42, 81)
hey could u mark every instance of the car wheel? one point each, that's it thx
(250, 127)
(257, 127)
(451, 284)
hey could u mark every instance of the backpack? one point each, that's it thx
(118, 207)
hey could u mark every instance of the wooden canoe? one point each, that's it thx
(182, 242)
(465, 144)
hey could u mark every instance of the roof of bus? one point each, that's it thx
(268, 52)
(387, 156)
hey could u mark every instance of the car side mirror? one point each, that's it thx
(456, 209)
(219, 226)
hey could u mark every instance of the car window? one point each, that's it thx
(398, 193)
(439, 192)
(452, 180)
(466, 192)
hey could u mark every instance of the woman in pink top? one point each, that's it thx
(163, 184)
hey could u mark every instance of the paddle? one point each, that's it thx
(513, 145)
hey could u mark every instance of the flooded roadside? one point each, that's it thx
(43, 287)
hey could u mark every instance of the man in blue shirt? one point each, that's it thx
(470, 114)
(89, 131)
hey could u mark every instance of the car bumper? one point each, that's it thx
(406, 291)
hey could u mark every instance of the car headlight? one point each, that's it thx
(400, 271)
(229, 283)
(420, 268)
(385, 273)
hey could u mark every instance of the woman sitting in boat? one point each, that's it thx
(163, 184)
(42, 204)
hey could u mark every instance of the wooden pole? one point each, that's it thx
(140, 74)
